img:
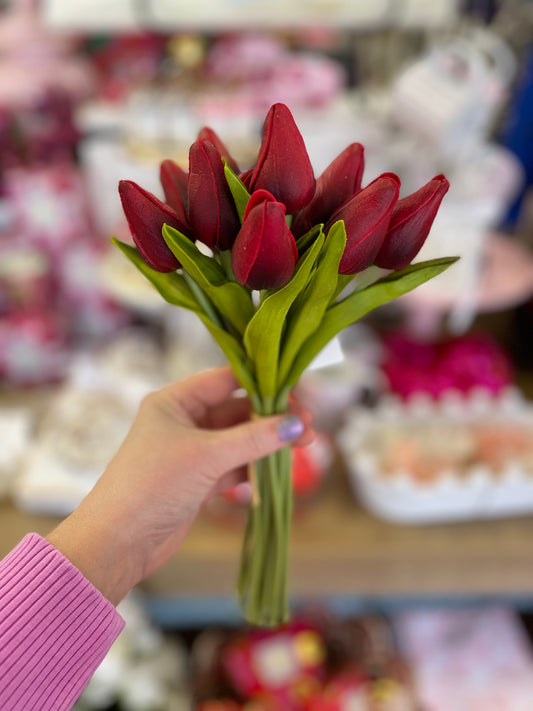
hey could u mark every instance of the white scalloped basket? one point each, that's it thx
(456, 459)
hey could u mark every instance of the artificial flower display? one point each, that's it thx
(280, 282)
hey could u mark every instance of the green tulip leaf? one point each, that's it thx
(232, 300)
(306, 240)
(235, 354)
(309, 307)
(358, 281)
(342, 283)
(172, 286)
(359, 303)
(202, 268)
(238, 190)
(174, 289)
(262, 338)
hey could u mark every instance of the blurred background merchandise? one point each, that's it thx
(410, 551)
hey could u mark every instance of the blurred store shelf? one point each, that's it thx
(505, 280)
(170, 15)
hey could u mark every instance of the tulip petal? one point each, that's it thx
(146, 215)
(174, 182)
(257, 198)
(283, 166)
(207, 134)
(338, 183)
(211, 208)
(366, 217)
(264, 254)
(247, 176)
(410, 224)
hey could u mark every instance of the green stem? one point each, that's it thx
(306, 240)
(224, 258)
(258, 553)
(286, 470)
(281, 401)
(269, 541)
(208, 307)
(244, 571)
(268, 406)
(280, 538)
(256, 403)
(264, 561)
(204, 301)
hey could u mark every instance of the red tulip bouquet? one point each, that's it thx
(274, 287)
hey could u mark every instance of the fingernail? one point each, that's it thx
(290, 428)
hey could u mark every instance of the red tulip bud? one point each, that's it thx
(212, 213)
(366, 217)
(339, 181)
(283, 167)
(410, 223)
(207, 134)
(146, 216)
(174, 181)
(264, 254)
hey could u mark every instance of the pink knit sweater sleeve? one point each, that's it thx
(55, 628)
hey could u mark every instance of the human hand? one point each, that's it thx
(189, 440)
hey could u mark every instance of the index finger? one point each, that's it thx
(203, 390)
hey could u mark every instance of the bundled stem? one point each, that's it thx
(263, 578)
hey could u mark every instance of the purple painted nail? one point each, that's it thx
(290, 428)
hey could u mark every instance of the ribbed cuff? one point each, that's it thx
(55, 628)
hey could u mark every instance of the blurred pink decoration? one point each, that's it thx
(91, 312)
(35, 61)
(261, 71)
(461, 364)
(48, 205)
(34, 349)
(469, 658)
(40, 134)
(244, 58)
(26, 276)
(125, 61)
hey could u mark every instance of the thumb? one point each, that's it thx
(249, 441)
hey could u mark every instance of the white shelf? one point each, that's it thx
(90, 16)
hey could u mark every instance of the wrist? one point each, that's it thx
(100, 553)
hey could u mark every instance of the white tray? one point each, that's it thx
(473, 492)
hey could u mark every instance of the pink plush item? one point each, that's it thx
(55, 628)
